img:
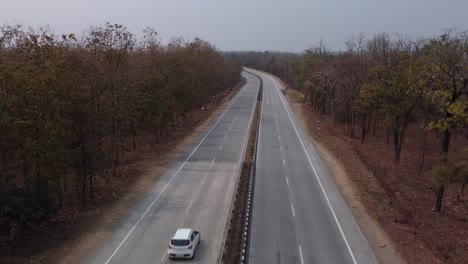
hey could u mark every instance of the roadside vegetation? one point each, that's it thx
(402, 106)
(72, 108)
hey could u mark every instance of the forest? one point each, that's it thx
(72, 106)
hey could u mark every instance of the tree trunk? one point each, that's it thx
(333, 112)
(132, 124)
(440, 196)
(363, 129)
(463, 185)
(387, 136)
(172, 121)
(396, 144)
(83, 190)
(25, 167)
(375, 124)
(423, 152)
(113, 134)
(445, 148)
(4, 162)
(369, 121)
(445, 144)
(91, 192)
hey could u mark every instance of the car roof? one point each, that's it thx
(182, 233)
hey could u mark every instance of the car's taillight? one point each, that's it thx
(190, 247)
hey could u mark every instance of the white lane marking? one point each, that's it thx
(316, 176)
(220, 147)
(188, 208)
(169, 182)
(246, 138)
(292, 207)
(277, 130)
(165, 253)
(300, 253)
(279, 138)
(281, 147)
(284, 163)
(287, 180)
(204, 177)
(225, 136)
(213, 160)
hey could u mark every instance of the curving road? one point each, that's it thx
(298, 214)
(196, 192)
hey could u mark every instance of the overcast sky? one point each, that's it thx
(293, 25)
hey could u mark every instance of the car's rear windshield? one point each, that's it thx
(180, 242)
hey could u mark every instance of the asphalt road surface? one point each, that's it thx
(298, 214)
(196, 191)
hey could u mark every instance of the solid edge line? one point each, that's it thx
(203, 179)
(188, 208)
(170, 181)
(316, 175)
(300, 253)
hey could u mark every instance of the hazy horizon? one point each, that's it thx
(257, 25)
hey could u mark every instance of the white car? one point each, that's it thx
(183, 244)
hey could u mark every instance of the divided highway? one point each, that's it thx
(196, 191)
(298, 214)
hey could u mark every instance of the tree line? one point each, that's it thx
(71, 107)
(389, 79)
